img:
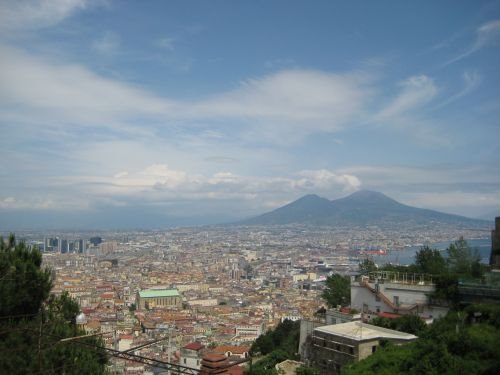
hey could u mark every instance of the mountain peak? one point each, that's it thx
(369, 195)
(310, 197)
(360, 208)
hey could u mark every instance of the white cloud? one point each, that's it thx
(35, 89)
(322, 180)
(166, 42)
(416, 92)
(298, 98)
(159, 184)
(33, 14)
(121, 174)
(455, 201)
(31, 204)
(486, 34)
(107, 44)
(59, 94)
(381, 177)
(471, 82)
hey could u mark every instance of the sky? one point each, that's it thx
(121, 114)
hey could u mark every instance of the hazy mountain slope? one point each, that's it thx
(360, 208)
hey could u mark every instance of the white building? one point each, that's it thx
(334, 346)
(192, 354)
(396, 293)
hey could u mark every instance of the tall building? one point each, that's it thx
(64, 246)
(95, 241)
(81, 246)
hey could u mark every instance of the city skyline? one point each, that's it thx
(195, 112)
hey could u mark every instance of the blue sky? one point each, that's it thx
(147, 113)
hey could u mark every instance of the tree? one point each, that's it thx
(462, 259)
(33, 322)
(406, 323)
(285, 337)
(24, 286)
(367, 266)
(337, 291)
(429, 261)
(451, 345)
(302, 370)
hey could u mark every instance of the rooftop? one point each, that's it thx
(194, 346)
(152, 293)
(361, 331)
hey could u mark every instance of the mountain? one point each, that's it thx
(360, 208)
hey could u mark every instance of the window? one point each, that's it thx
(396, 300)
(374, 348)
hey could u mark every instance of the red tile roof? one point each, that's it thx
(194, 346)
(388, 315)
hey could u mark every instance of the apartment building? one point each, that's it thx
(336, 345)
(396, 293)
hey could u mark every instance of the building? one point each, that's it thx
(334, 346)
(396, 293)
(158, 298)
(248, 332)
(192, 354)
(241, 352)
(341, 315)
(331, 316)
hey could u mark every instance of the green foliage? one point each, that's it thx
(277, 346)
(32, 321)
(285, 337)
(487, 313)
(337, 291)
(367, 266)
(463, 260)
(429, 261)
(385, 361)
(23, 285)
(446, 289)
(464, 342)
(266, 366)
(302, 370)
(406, 323)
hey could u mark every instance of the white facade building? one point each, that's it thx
(394, 292)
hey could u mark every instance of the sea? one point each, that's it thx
(406, 255)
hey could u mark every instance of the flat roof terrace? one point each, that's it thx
(359, 331)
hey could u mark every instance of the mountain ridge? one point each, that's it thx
(363, 207)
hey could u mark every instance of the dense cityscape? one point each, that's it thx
(226, 285)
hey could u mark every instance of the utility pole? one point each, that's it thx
(40, 343)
